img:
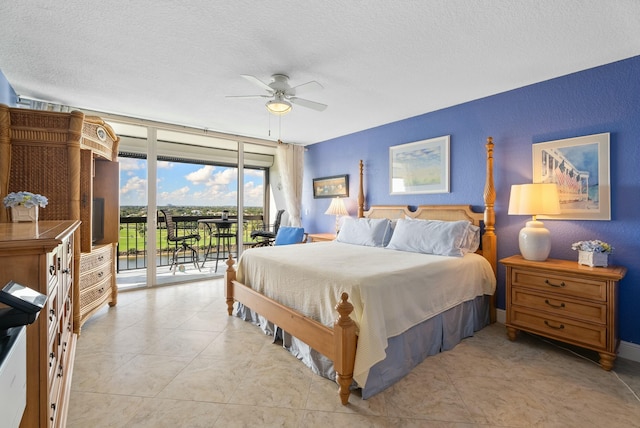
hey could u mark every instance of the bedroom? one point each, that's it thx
(601, 99)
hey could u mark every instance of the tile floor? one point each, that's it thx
(171, 357)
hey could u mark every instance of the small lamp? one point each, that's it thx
(534, 199)
(337, 209)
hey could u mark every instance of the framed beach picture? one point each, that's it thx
(580, 168)
(420, 167)
(331, 187)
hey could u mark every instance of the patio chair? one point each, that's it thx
(181, 243)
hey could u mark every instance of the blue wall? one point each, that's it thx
(7, 94)
(598, 100)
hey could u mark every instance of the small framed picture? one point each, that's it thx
(331, 187)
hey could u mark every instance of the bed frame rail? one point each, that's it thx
(337, 344)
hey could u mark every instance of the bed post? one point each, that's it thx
(361, 193)
(229, 277)
(344, 334)
(489, 240)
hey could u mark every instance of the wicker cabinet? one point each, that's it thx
(71, 159)
(563, 300)
(41, 256)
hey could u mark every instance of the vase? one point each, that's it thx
(592, 259)
(22, 213)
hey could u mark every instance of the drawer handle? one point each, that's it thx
(100, 274)
(100, 258)
(52, 269)
(562, 284)
(560, 306)
(561, 327)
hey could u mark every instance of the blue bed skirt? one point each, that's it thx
(404, 352)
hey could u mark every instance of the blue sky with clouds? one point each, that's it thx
(185, 184)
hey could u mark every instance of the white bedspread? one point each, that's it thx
(390, 290)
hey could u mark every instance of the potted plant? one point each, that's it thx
(24, 205)
(592, 253)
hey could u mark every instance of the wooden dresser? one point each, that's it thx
(71, 159)
(41, 256)
(563, 300)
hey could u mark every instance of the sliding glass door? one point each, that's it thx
(200, 181)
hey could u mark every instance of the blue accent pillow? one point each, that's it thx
(289, 235)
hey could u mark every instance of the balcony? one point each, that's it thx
(133, 255)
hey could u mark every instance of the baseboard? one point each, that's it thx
(627, 350)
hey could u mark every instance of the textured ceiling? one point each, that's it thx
(378, 60)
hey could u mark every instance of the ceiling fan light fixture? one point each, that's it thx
(278, 106)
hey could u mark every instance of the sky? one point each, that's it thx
(183, 184)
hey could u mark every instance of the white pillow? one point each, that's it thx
(444, 238)
(364, 231)
(473, 238)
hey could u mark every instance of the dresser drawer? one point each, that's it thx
(51, 313)
(584, 334)
(53, 269)
(89, 279)
(95, 295)
(580, 287)
(559, 305)
(97, 257)
(53, 357)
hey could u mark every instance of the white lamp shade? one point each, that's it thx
(337, 207)
(534, 199)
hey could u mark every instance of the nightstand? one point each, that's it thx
(320, 237)
(565, 301)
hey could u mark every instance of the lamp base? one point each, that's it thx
(535, 241)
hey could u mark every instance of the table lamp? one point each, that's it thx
(534, 199)
(337, 209)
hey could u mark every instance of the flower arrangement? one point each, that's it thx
(593, 246)
(26, 199)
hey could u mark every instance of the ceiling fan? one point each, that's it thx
(282, 94)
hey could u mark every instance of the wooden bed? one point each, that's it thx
(339, 343)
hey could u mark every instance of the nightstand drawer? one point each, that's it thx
(588, 288)
(559, 305)
(577, 332)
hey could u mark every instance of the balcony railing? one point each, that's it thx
(132, 245)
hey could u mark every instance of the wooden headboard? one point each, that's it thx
(485, 220)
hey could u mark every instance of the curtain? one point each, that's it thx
(290, 160)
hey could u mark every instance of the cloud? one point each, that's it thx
(134, 191)
(181, 196)
(131, 164)
(202, 175)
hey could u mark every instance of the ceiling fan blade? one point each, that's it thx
(305, 88)
(258, 82)
(248, 96)
(309, 104)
